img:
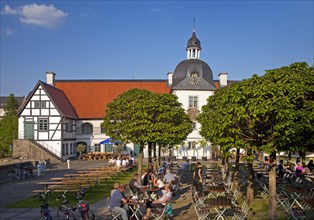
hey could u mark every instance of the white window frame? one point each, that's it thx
(43, 124)
(193, 101)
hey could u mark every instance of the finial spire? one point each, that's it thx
(194, 24)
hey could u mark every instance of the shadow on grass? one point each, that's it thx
(93, 195)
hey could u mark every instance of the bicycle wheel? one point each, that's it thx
(65, 215)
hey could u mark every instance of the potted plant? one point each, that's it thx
(203, 144)
(80, 148)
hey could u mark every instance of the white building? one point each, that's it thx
(60, 114)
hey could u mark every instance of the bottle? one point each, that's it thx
(169, 211)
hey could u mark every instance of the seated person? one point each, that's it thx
(124, 162)
(148, 177)
(118, 201)
(112, 161)
(169, 178)
(118, 162)
(166, 197)
(135, 185)
(299, 170)
(306, 170)
(158, 183)
(310, 165)
(115, 187)
(185, 166)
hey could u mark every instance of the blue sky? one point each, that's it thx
(119, 39)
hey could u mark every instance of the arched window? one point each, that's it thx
(87, 128)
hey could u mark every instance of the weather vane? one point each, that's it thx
(194, 24)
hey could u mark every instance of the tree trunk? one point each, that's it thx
(236, 170)
(150, 161)
(159, 153)
(272, 188)
(250, 185)
(154, 145)
(140, 160)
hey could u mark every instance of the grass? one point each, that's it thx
(93, 195)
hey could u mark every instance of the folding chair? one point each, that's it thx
(114, 215)
(159, 213)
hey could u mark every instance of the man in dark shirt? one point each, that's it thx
(117, 200)
(135, 185)
(280, 169)
(310, 165)
(148, 178)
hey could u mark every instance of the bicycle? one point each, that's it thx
(65, 211)
(44, 207)
(83, 206)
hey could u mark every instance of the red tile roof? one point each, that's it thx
(60, 100)
(90, 97)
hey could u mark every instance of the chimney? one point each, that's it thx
(50, 78)
(223, 79)
(170, 75)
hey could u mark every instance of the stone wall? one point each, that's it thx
(27, 150)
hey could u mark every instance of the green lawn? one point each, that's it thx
(93, 195)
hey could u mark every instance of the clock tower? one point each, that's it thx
(192, 82)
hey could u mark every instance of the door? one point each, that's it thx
(29, 130)
(136, 150)
(108, 148)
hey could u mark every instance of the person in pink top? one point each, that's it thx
(299, 170)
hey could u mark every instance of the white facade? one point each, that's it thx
(41, 121)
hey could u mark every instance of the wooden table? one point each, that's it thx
(215, 191)
(219, 204)
(310, 202)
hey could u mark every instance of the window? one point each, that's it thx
(102, 130)
(63, 149)
(40, 104)
(193, 101)
(43, 124)
(97, 147)
(87, 128)
(194, 125)
(68, 125)
(66, 149)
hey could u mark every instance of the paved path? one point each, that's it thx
(18, 190)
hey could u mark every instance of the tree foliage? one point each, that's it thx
(8, 126)
(272, 113)
(140, 116)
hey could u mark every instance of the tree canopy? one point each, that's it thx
(8, 126)
(272, 113)
(140, 116)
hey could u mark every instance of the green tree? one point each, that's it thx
(8, 126)
(11, 105)
(271, 113)
(80, 148)
(140, 116)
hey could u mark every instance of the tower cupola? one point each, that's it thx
(193, 47)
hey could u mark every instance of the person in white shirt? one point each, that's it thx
(124, 162)
(118, 162)
(166, 197)
(112, 161)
